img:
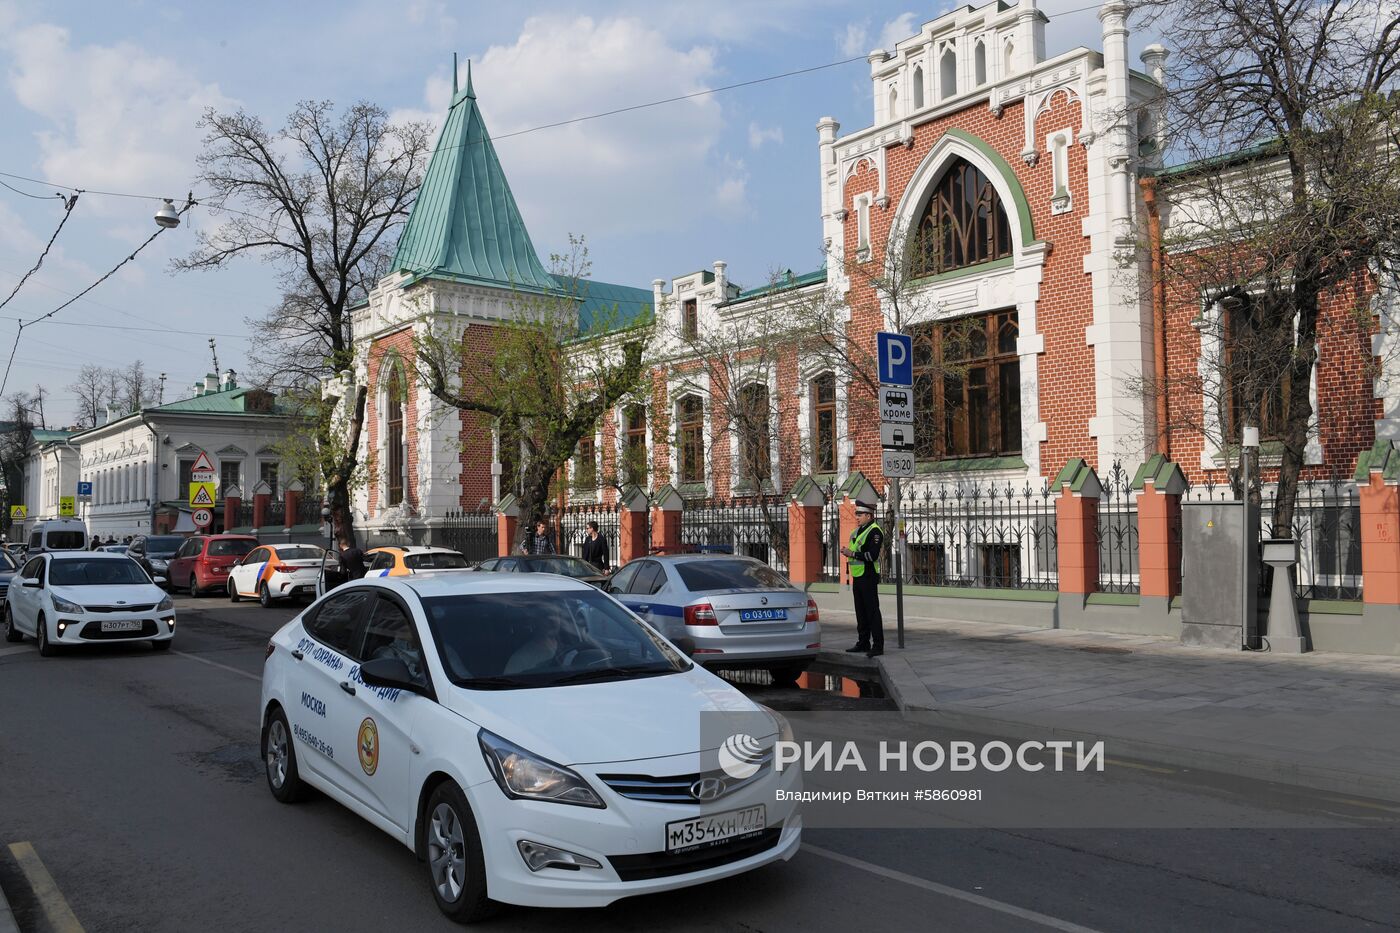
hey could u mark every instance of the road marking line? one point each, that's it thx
(1133, 764)
(1351, 801)
(231, 670)
(18, 649)
(56, 910)
(1043, 919)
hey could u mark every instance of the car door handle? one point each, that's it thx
(345, 685)
(642, 608)
(298, 655)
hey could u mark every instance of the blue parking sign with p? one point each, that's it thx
(896, 358)
(85, 488)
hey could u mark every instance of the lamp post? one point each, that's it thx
(330, 541)
(1249, 440)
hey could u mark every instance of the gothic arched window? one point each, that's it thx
(962, 224)
(393, 436)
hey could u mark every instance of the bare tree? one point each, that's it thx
(1288, 112)
(16, 434)
(547, 381)
(135, 387)
(90, 393)
(319, 199)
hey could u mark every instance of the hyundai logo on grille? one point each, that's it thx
(763, 600)
(708, 788)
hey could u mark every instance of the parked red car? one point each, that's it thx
(203, 562)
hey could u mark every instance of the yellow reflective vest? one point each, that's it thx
(858, 536)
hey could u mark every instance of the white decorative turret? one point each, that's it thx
(721, 280)
(1117, 140)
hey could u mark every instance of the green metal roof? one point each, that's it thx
(45, 435)
(228, 402)
(782, 283)
(598, 300)
(465, 224)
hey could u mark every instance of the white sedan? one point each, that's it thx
(527, 737)
(86, 597)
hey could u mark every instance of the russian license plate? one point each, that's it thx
(125, 625)
(762, 615)
(716, 829)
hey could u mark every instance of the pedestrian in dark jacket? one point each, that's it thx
(539, 541)
(352, 562)
(595, 549)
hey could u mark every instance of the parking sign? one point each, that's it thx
(896, 358)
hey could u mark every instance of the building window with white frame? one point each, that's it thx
(979, 63)
(823, 389)
(634, 445)
(918, 87)
(755, 436)
(230, 475)
(267, 473)
(394, 459)
(586, 464)
(863, 226)
(690, 439)
(948, 74)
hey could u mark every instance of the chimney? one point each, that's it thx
(211, 383)
(721, 279)
(228, 381)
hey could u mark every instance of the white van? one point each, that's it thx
(58, 534)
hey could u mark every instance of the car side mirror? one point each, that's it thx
(32, 584)
(391, 672)
(686, 644)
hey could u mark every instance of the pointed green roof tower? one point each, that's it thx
(465, 225)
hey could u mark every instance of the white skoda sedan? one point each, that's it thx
(527, 737)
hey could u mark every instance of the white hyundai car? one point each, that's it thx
(65, 598)
(526, 736)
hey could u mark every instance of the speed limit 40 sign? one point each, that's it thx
(202, 518)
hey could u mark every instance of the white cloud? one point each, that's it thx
(601, 176)
(118, 118)
(855, 40)
(896, 30)
(759, 135)
(733, 192)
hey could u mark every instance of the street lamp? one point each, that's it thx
(330, 540)
(167, 216)
(1249, 440)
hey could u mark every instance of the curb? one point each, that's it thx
(902, 684)
(1311, 777)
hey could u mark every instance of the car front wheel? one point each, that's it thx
(46, 648)
(280, 760)
(11, 633)
(456, 865)
(264, 596)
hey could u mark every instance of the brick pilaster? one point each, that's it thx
(1076, 524)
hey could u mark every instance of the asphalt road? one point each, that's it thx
(135, 779)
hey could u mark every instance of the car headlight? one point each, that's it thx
(522, 774)
(158, 564)
(166, 603)
(785, 733)
(62, 605)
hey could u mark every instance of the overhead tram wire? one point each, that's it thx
(68, 204)
(19, 332)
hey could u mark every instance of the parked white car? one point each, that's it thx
(276, 571)
(528, 737)
(66, 598)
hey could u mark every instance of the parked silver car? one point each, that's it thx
(740, 612)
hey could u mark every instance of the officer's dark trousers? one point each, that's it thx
(870, 627)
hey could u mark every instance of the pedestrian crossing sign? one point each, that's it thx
(18, 513)
(201, 495)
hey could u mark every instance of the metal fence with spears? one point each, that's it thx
(754, 527)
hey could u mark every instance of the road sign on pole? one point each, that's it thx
(897, 463)
(201, 494)
(896, 358)
(66, 507)
(85, 490)
(18, 513)
(896, 436)
(897, 404)
(202, 518)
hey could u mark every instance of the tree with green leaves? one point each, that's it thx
(547, 381)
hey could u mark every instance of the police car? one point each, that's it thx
(530, 740)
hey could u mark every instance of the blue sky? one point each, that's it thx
(105, 96)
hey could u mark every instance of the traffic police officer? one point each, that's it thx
(863, 561)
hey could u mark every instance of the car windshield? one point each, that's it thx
(299, 552)
(568, 566)
(496, 641)
(96, 572)
(701, 575)
(163, 545)
(230, 547)
(436, 560)
(66, 540)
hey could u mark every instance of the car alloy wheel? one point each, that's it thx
(264, 595)
(447, 852)
(277, 754)
(11, 633)
(41, 631)
(280, 760)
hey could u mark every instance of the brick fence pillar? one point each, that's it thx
(1076, 527)
(262, 496)
(507, 518)
(1160, 485)
(291, 499)
(805, 531)
(632, 526)
(233, 501)
(1377, 476)
(666, 520)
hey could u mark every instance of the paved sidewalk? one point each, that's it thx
(1322, 720)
